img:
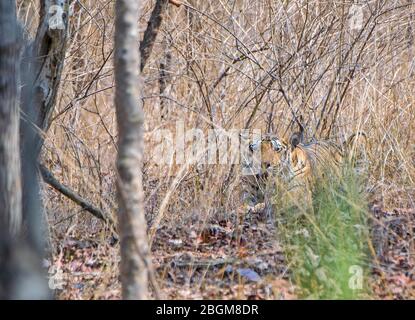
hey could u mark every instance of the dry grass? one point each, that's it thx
(230, 64)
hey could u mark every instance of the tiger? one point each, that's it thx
(266, 152)
(294, 167)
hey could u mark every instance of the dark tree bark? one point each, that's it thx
(41, 68)
(164, 77)
(21, 275)
(42, 64)
(130, 118)
(43, 61)
(10, 184)
(153, 26)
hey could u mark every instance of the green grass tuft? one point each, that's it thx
(326, 243)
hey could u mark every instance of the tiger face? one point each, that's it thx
(269, 151)
(268, 156)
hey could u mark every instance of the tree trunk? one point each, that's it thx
(41, 68)
(43, 61)
(130, 118)
(10, 184)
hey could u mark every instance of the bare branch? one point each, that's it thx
(153, 26)
(66, 191)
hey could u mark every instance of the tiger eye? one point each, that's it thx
(254, 146)
(276, 145)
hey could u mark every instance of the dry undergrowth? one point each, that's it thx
(231, 64)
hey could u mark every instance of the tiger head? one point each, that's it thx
(274, 152)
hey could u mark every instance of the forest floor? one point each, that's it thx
(228, 260)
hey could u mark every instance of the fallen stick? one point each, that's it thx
(53, 182)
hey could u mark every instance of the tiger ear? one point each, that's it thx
(295, 139)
